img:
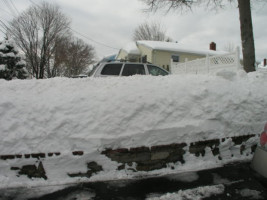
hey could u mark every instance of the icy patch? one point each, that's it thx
(192, 194)
(184, 177)
(252, 194)
(27, 192)
(79, 195)
(219, 180)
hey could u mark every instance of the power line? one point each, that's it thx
(8, 6)
(93, 39)
(83, 35)
(5, 11)
(10, 10)
(3, 27)
(13, 5)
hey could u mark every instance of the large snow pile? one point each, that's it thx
(64, 114)
(91, 114)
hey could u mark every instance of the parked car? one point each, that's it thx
(259, 161)
(126, 69)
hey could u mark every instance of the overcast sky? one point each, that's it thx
(108, 25)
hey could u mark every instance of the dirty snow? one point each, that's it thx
(252, 194)
(192, 194)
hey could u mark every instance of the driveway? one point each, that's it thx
(236, 181)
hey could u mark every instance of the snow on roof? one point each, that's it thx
(131, 48)
(177, 47)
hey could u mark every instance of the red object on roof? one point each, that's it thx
(263, 138)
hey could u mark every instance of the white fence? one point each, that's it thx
(207, 65)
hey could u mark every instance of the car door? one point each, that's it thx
(131, 69)
(111, 69)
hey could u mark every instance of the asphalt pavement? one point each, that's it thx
(235, 178)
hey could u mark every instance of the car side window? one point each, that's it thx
(156, 71)
(112, 69)
(132, 69)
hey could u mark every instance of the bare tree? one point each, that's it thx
(230, 47)
(35, 32)
(79, 56)
(58, 67)
(245, 21)
(153, 31)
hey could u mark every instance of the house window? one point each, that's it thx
(144, 59)
(175, 58)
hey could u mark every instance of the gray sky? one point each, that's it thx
(110, 23)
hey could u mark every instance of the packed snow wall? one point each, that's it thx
(97, 113)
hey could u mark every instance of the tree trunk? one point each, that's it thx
(247, 38)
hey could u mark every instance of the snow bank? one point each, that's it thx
(92, 114)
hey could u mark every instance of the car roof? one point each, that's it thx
(101, 64)
(123, 62)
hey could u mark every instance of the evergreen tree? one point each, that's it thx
(11, 64)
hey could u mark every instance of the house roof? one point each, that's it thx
(177, 47)
(131, 48)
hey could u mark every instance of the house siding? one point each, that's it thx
(122, 55)
(163, 58)
(146, 51)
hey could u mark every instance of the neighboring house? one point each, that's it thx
(161, 53)
(129, 53)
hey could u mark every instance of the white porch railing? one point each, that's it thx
(207, 65)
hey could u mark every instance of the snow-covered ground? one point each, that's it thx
(92, 114)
